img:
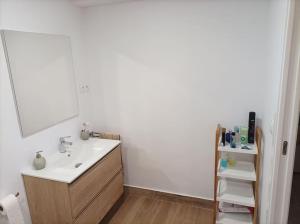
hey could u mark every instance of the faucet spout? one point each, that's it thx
(63, 144)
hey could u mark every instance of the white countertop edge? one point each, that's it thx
(29, 171)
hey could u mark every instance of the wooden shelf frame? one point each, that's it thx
(255, 183)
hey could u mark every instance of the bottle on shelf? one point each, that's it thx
(233, 140)
(224, 161)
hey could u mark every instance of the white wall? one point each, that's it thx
(165, 73)
(55, 17)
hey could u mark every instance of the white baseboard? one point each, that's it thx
(169, 192)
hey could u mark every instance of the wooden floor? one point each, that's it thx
(144, 207)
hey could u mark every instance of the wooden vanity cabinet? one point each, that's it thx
(84, 201)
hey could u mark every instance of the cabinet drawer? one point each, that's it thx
(84, 189)
(95, 212)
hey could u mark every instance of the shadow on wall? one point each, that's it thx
(145, 166)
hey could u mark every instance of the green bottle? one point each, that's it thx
(244, 135)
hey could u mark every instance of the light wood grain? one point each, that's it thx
(48, 201)
(84, 189)
(217, 157)
(108, 135)
(88, 198)
(103, 202)
(142, 206)
(258, 136)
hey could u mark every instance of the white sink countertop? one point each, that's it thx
(66, 167)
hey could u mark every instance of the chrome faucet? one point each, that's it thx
(63, 144)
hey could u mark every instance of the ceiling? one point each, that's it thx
(87, 3)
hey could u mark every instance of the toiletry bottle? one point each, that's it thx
(236, 129)
(233, 140)
(251, 130)
(237, 135)
(224, 162)
(228, 136)
(231, 160)
(85, 133)
(223, 136)
(39, 162)
(244, 135)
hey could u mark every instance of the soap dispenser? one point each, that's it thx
(39, 162)
(85, 133)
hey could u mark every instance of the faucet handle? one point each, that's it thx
(62, 139)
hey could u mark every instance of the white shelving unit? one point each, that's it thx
(237, 184)
(240, 193)
(228, 218)
(226, 148)
(241, 171)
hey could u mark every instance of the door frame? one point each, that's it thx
(287, 124)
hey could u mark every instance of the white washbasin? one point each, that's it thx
(66, 167)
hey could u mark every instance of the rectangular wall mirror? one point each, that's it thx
(42, 77)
